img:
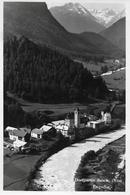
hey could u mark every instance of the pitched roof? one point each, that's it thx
(19, 143)
(97, 121)
(37, 131)
(18, 133)
(21, 132)
(55, 123)
(62, 127)
(10, 128)
(25, 129)
(45, 128)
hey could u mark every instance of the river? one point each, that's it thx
(57, 174)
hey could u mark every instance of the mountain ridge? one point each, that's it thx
(34, 21)
(116, 33)
(76, 18)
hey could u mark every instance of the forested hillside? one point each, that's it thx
(43, 75)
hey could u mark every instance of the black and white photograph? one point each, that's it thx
(64, 95)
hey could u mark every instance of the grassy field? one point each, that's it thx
(17, 169)
(56, 111)
(115, 80)
(51, 109)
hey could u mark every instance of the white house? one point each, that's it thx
(38, 133)
(98, 124)
(63, 128)
(10, 128)
(18, 143)
(56, 123)
(18, 134)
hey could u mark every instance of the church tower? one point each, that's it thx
(76, 118)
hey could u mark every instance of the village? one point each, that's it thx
(75, 126)
(64, 96)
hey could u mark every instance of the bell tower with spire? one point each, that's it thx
(76, 118)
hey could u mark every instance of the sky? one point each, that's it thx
(93, 4)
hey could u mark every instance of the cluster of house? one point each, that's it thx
(20, 136)
(67, 127)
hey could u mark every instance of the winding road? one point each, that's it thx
(57, 174)
(111, 72)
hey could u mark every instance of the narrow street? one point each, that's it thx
(59, 170)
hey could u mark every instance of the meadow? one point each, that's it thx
(115, 80)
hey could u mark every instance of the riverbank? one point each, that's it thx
(58, 172)
(103, 170)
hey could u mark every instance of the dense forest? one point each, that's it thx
(40, 74)
(15, 116)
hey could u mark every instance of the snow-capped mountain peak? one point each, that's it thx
(106, 16)
(118, 16)
(76, 18)
(103, 15)
(78, 8)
